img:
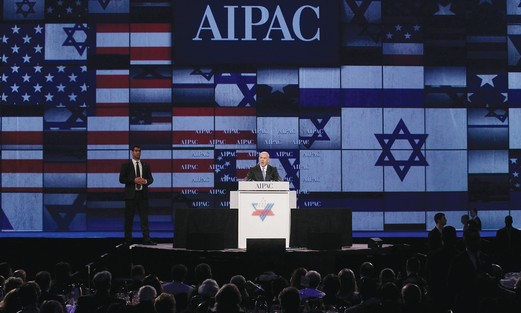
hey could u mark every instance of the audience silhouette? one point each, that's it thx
(446, 279)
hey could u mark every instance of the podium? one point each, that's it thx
(264, 210)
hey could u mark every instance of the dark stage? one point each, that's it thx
(87, 255)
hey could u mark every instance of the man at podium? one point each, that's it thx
(263, 171)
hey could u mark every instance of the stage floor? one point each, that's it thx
(228, 262)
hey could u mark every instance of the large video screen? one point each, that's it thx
(417, 109)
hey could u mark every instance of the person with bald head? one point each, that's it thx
(263, 171)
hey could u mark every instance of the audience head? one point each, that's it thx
(102, 281)
(331, 284)
(153, 280)
(366, 269)
(347, 280)
(296, 277)
(465, 219)
(440, 219)
(228, 299)
(20, 273)
(6, 270)
(449, 235)
(202, 271)
(165, 303)
(12, 283)
(509, 221)
(411, 294)
(390, 293)
(51, 306)
(289, 299)
(387, 275)
(62, 271)
(43, 279)
(473, 212)
(208, 288)
(146, 293)
(239, 281)
(312, 279)
(412, 265)
(29, 293)
(179, 272)
(137, 272)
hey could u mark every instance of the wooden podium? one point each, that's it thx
(264, 210)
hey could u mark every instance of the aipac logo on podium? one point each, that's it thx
(262, 209)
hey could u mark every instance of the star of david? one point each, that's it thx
(318, 135)
(70, 41)
(206, 74)
(493, 111)
(25, 4)
(359, 9)
(248, 93)
(104, 3)
(262, 209)
(149, 72)
(401, 167)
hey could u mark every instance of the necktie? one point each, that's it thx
(264, 173)
(138, 174)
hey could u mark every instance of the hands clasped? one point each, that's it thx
(140, 180)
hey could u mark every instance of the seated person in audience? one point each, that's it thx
(177, 286)
(43, 279)
(296, 277)
(5, 270)
(331, 287)
(12, 283)
(137, 275)
(146, 296)
(52, 306)
(228, 299)
(413, 270)
(11, 302)
(29, 293)
(205, 297)
(62, 282)
(289, 300)
(153, 280)
(311, 281)
(240, 282)
(387, 275)
(165, 303)
(20, 273)
(369, 296)
(412, 296)
(390, 298)
(348, 288)
(101, 299)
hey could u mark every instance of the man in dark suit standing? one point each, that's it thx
(263, 171)
(434, 238)
(137, 176)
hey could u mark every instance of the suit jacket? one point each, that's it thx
(434, 239)
(255, 173)
(128, 174)
(502, 240)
